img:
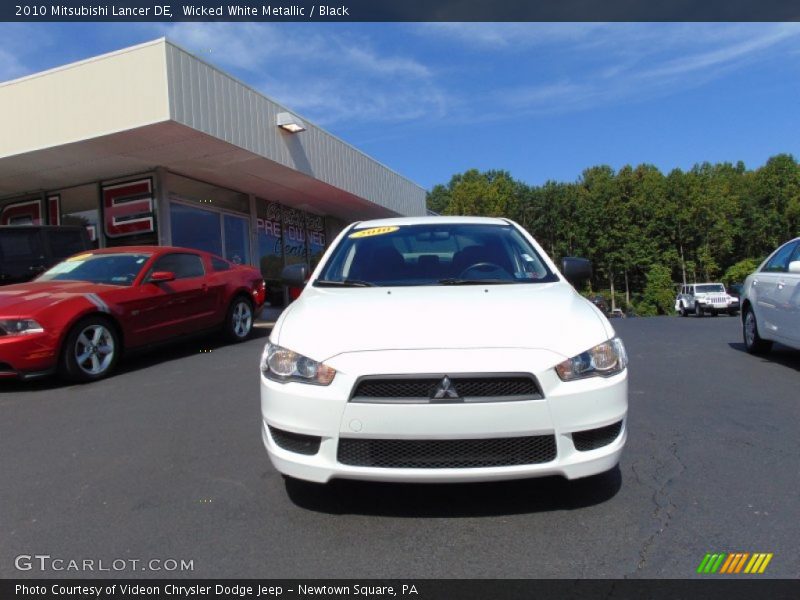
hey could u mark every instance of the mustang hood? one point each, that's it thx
(25, 299)
(325, 322)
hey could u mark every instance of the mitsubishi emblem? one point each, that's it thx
(445, 390)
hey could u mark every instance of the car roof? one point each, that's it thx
(144, 250)
(444, 220)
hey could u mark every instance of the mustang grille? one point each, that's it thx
(447, 454)
(423, 388)
(596, 438)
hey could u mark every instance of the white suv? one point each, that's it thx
(442, 349)
(705, 298)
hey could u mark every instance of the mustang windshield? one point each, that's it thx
(434, 254)
(113, 269)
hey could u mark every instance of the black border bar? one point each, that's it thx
(400, 10)
(711, 588)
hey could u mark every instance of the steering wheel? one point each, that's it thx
(483, 266)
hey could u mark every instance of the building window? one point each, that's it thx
(196, 228)
(315, 232)
(78, 206)
(294, 236)
(270, 242)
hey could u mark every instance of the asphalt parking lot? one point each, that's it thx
(164, 460)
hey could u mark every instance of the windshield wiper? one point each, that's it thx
(345, 283)
(454, 281)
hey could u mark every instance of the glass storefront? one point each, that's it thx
(196, 228)
(200, 215)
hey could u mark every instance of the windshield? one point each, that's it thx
(113, 269)
(710, 288)
(434, 254)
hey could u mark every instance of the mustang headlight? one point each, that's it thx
(604, 360)
(280, 364)
(20, 327)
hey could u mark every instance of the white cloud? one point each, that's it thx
(609, 63)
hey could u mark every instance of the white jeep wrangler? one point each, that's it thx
(705, 298)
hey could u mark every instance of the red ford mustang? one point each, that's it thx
(78, 317)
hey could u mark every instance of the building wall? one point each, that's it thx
(209, 100)
(96, 97)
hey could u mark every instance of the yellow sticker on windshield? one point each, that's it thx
(373, 231)
(79, 257)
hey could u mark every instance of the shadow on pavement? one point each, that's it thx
(135, 361)
(782, 355)
(454, 499)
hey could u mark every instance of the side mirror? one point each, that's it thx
(576, 270)
(295, 275)
(794, 266)
(161, 277)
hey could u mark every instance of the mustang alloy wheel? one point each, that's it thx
(91, 350)
(239, 323)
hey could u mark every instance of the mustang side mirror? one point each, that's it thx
(576, 270)
(161, 277)
(295, 275)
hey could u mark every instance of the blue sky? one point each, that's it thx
(542, 100)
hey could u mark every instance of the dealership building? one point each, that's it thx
(151, 145)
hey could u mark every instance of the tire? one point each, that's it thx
(239, 320)
(752, 341)
(733, 312)
(698, 311)
(714, 313)
(683, 311)
(91, 350)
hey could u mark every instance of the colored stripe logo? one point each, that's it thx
(733, 563)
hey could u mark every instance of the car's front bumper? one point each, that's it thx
(27, 356)
(326, 414)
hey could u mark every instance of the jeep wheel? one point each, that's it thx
(698, 311)
(683, 311)
(752, 341)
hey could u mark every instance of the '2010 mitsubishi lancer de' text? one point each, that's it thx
(438, 349)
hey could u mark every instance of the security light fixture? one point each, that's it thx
(291, 123)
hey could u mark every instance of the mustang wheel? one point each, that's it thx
(90, 351)
(239, 323)
(752, 341)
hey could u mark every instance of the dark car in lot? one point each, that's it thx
(28, 250)
(80, 316)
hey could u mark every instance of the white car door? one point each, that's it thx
(787, 294)
(766, 294)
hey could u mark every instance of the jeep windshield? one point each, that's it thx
(434, 254)
(714, 288)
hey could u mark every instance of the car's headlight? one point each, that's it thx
(20, 327)
(280, 364)
(604, 360)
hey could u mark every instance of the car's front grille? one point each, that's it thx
(596, 438)
(447, 454)
(295, 442)
(466, 388)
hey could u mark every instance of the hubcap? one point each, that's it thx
(94, 349)
(242, 319)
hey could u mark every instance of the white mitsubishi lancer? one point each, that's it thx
(438, 349)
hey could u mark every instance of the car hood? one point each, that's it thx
(29, 298)
(325, 322)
